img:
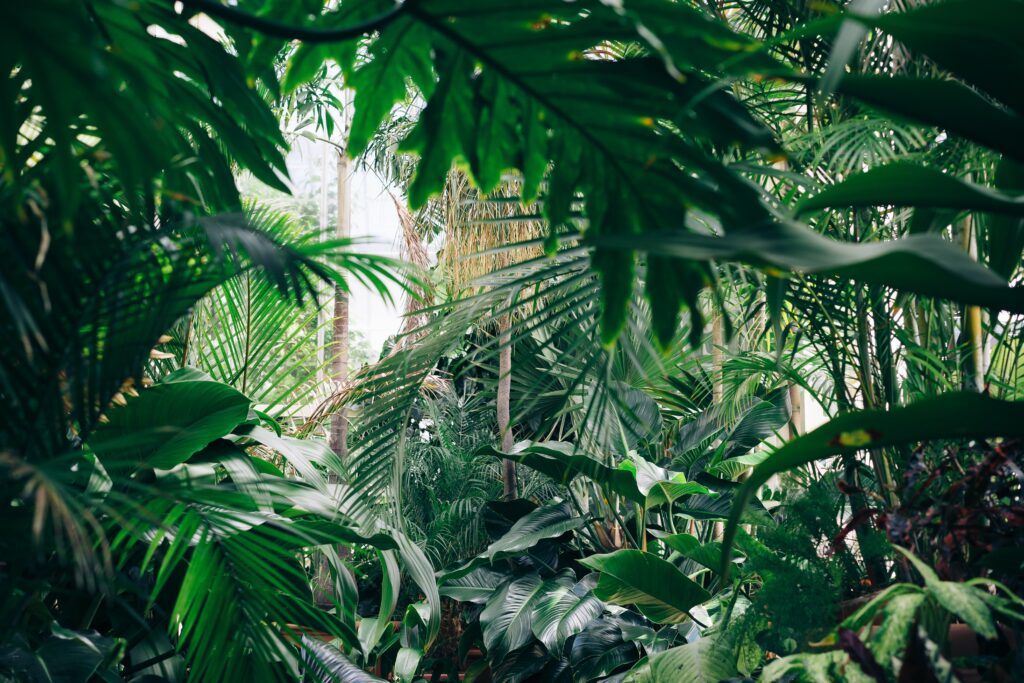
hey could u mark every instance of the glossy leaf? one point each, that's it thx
(706, 660)
(907, 184)
(661, 592)
(168, 423)
(601, 649)
(562, 612)
(508, 617)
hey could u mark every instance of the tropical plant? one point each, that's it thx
(835, 191)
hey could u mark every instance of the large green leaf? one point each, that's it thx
(563, 611)
(920, 264)
(705, 554)
(168, 423)
(661, 592)
(949, 31)
(960, 415)
(638, 480)
(602, 648)
(1005, 233)
(547, 522)
(478, 586)
(948, 104)
(76, 655)
(960, 599)
(522, 665)
(909, 184)
(706, 660)
(507, 620)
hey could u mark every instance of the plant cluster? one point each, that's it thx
(667, 229)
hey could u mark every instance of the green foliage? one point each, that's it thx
(660, 591)
(642, 143)
(951, 416)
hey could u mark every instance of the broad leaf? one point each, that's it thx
(601, 649)
(661, 592)
(908, 184)
(168, 423)
(706, 660)
(326, 662)
(507, 620)
(550, 521)
(563, 611)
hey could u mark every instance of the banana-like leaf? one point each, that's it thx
(422, 574)
(523, 665)
(661, 592)
(927, 29)
(167, 423)
(920, 264)
(908, 184)
(705, 554)
(602, 648)
(559, 461)
(549, 521)
(947, 104)
(478, 586)
(637, 480)
(507, 620)
(958, 415)
(706, 660)
(563, 611)
(1005, 233)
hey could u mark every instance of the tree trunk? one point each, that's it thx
(796, 416)
(717, 358)
(326, 588)
(321, 289)
(339, 337)
(508, 470)
(974, 363)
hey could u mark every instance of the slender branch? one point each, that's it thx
(306, 34)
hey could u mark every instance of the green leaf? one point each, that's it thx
(1005, 233)
(549, 521)
(947, 32)
(661, 592)
(329, 663)
(602, 649)
(167, 423)
(948, 104)
(76, 655)
(960, 599)
(920, 264)
(706, 660)
(507, 620)
(563, 611)
(959, 415)
(909, 184)
(522, 665)
(705, 554)
(477, 586)
(558, 461)
(400, 52)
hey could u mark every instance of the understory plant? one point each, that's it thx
(701, 219)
